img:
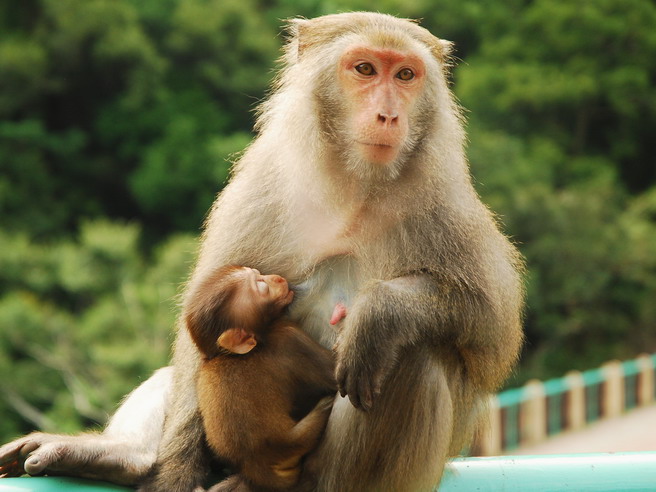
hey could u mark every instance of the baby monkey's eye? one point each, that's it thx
(365, 69)
(262, 287)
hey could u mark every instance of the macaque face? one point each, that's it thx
(381, 87)
(257, 301)
(257, 293)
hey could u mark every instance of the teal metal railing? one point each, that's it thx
(598, 472)
(543, 409)
(593, 380)
(602, 472)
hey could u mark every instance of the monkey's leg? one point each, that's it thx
(402, 443)
(306, 433)
(183, 458)
(234, 483)
(282, 468)
(122, 454)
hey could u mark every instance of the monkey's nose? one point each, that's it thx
(388, 119)
(278, 279)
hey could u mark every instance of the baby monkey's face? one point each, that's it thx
(266, 293)
(258, 301)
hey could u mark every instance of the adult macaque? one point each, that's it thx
(357, 186)
(265, 388)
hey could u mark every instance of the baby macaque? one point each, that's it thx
(265, 388)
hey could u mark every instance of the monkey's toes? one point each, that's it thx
(13, 454)
(36, 464)
(12, 469)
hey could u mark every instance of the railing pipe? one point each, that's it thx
(527, 415)
(533, 414)
(613, 389)
(599, 472)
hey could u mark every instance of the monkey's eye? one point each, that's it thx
(365, 69)
(405, 74)
(262, 287)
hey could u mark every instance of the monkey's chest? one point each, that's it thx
(335, 280)
(322, 234)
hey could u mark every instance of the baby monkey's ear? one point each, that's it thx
(237, 341)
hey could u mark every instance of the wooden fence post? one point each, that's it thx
(645, 380)
(613, 389)
(533, 413)
(575, 406)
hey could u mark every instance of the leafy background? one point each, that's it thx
(118, 119)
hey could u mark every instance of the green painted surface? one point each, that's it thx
(605, 472)
(57, 484)
(600, 472)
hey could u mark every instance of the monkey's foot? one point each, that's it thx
(91, 456)
(233, 483)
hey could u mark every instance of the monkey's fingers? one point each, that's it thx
(41, 459)
(340, 377)
(358, 385)
(363, 395)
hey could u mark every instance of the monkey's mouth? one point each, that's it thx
(378, 145)
(378, 153)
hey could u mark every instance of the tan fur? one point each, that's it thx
(261, 379)
(461, 314)
(248, 403)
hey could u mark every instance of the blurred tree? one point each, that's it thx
(101, 111)
(82, 321)
(84, 53)
(579, 73)
(562, 99)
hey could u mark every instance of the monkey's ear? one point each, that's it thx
(237, 341)
(441, 49)
(298, 30)
(446, 47)
(308, 33)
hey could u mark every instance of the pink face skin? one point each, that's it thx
(382, 86)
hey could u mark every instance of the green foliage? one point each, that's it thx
(579, 73)
(561, 99)
(105, 99)
(83, 320)
(118, 119)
